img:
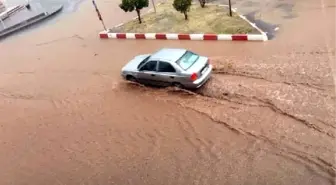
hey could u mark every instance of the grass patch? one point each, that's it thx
(211, 19)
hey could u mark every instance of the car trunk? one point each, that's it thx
(199, 66)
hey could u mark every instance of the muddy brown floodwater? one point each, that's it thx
(267, 116)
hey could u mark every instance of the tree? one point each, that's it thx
(137, 5)
(202, 3)
(182, 6)
(230, 8)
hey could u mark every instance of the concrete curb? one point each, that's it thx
(108, 34)
(28, 22)
(11, 11)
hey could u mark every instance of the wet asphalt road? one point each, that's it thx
(266, 117)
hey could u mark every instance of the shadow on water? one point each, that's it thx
(269, 28)
(288, 9)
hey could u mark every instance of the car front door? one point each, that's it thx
(148, 73)
(167, 74)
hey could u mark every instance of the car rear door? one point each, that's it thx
(167, 74)
(148, 73)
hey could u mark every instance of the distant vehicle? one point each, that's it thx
(169, 67)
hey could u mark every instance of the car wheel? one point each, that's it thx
(178, 85)
(131, 78)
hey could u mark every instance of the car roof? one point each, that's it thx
(168, 54)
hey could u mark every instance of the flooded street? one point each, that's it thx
(267, 116)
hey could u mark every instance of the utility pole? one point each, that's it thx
(154, 6)
(230, 8)
(99, 15)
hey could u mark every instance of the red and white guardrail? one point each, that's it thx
(181, 36)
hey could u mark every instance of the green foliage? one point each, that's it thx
(182, 6)
(130, 5)
(137, 5)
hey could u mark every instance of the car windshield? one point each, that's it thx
(187, 60)
(141, 63)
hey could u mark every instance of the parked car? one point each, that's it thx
(169, 67)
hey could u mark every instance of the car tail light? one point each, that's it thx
(193, 77)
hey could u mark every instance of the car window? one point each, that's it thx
(187, 60)
(149, 66)
(166, 67)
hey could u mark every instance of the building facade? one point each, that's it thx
(2, 6)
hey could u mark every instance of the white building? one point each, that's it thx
(2, 6)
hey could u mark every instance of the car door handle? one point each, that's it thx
(171, 77)
(152, 74)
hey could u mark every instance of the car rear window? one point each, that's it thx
(187, 60)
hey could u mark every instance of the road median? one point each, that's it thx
(209, 23)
